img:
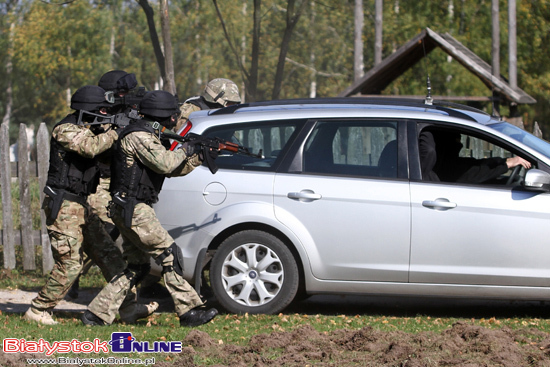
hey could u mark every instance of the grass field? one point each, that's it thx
(238, 331)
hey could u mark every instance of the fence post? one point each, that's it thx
(8, 238)
(43, 162)
(25, 200)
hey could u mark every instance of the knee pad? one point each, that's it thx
(177, 263)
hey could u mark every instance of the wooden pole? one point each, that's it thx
(25, 200)
(8, 235)
(43, 162)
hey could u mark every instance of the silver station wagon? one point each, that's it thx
(363, 196)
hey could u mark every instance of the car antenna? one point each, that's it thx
(429, 100)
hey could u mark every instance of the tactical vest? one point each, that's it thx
(201, 103)
(70, 171)
(135, 181)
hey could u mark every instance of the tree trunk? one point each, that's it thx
(255, 60)
(358, 65)
(495, 51)
(169, 81)
(512, 44)
(9, 69)
(150, 14)
(250, 78)
(379, 10)
(313, 74)
(243, 57)
(291, 21)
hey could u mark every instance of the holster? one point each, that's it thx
(56, 200)
(127, 204)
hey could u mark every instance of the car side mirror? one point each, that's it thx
(537, 180)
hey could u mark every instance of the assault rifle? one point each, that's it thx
(119, 120)
(206, 145)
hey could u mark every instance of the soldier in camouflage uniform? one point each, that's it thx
(119, 83)
(72, 176)
(140, 164)
(218, 93)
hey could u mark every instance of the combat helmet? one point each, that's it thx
(118, 81)
(89, 98)
(222, 91)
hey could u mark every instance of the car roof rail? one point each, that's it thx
(452, 109)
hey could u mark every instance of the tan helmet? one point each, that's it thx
(222, 91)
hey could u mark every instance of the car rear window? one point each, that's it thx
(272, 138)
(355, 147)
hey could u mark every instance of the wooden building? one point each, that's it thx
(379, 77)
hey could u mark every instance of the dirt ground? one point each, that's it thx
(462, 345)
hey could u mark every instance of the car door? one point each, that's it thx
(486, 233)
(347, 203)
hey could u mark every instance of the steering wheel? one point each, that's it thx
(513, 175)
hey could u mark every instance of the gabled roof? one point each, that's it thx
(379, 77)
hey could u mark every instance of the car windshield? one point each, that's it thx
(524, 137)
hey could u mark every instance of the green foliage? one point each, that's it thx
(57, 49)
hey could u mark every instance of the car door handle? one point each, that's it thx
(304, 195)
(439, 204)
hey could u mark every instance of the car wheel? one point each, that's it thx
(254, 272)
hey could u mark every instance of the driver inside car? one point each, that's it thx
(440, 160)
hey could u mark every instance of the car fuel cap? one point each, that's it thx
(214, 193)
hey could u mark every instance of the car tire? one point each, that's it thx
(254, 272)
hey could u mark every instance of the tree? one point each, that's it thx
(292, 19)
(170, 84)
(55, 58)
(250, 76)
(150, 15)
(358, 64)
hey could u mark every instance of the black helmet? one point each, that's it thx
(117, 80)
(159, 104)
(89, 98)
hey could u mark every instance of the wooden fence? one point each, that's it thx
(21, 172)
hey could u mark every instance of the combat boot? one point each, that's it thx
(137, 311)
(197, 317)
(89, 318)
(42, 317)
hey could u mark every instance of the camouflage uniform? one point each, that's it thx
(98, 245)
(186, 109)
(66, 232)
(119, 82)
(145, 237)
(217, 93)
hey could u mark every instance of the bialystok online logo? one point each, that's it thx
(119, 343)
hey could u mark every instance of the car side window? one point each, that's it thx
(267, 138)
(357, 148)
(448, 155)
